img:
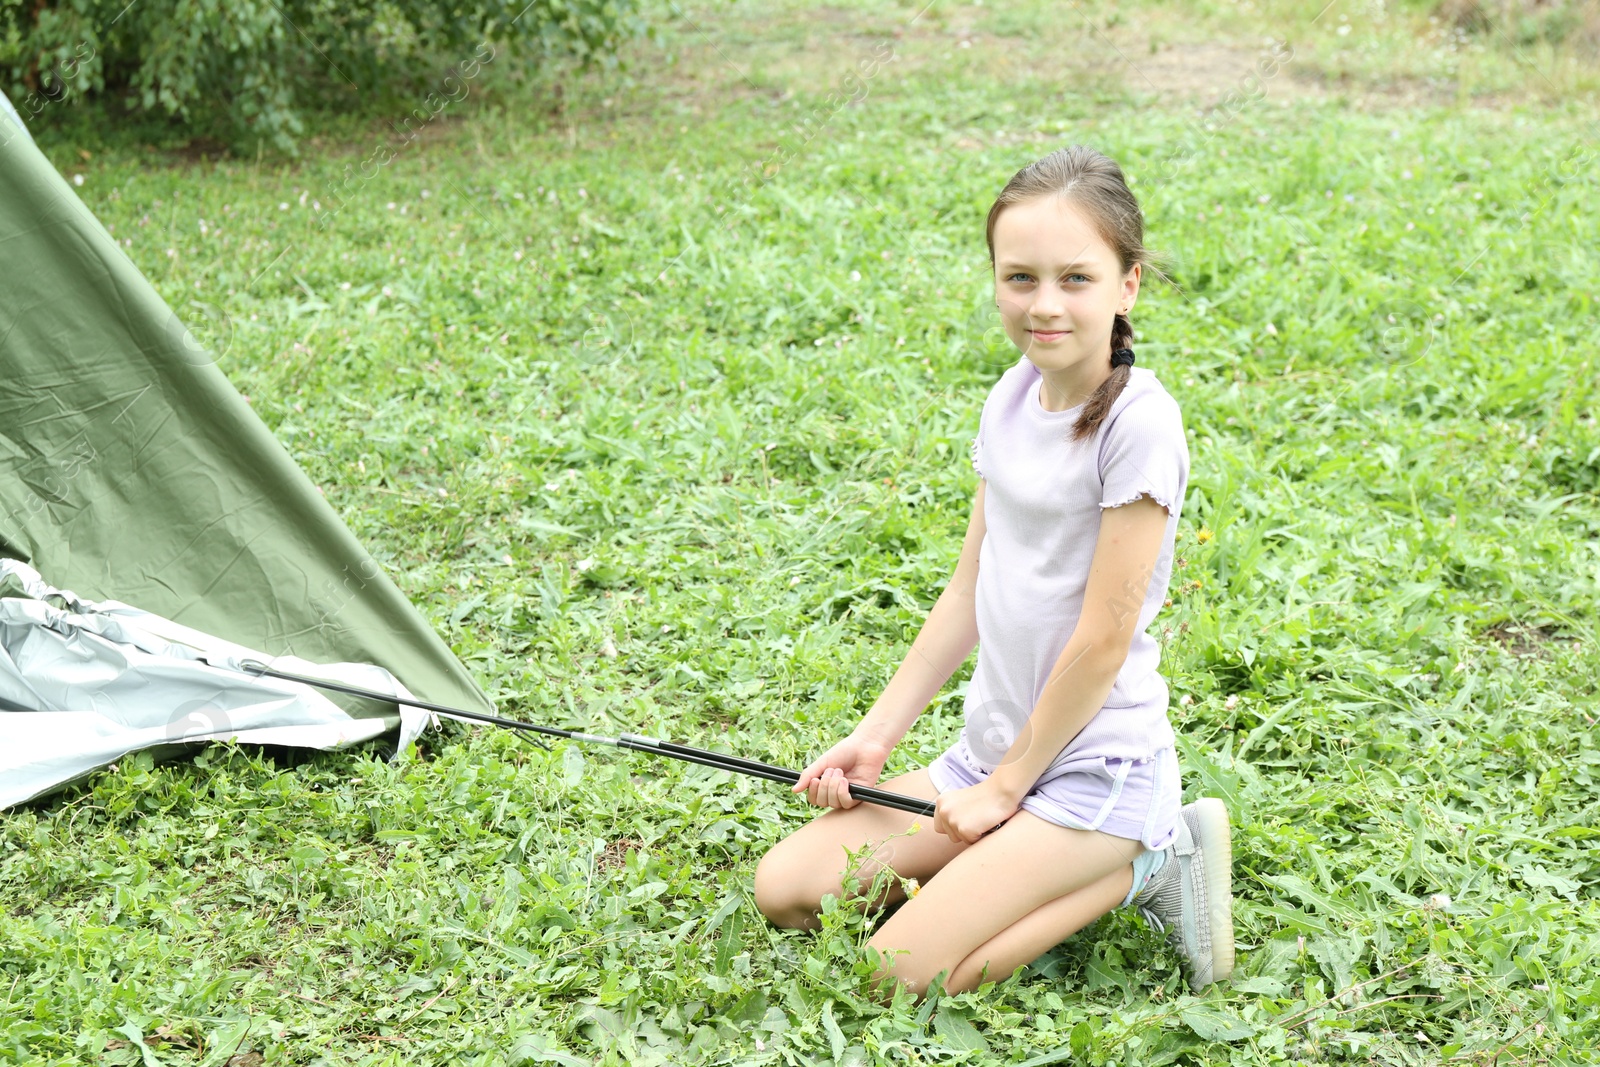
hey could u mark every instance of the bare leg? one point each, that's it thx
(1045, 880)
(1039, 931)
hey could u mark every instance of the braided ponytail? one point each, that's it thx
(1099, 405)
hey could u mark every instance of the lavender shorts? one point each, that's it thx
(1136, 798)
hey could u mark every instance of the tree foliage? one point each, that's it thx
(245, 71)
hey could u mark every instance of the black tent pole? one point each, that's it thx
(637, 742)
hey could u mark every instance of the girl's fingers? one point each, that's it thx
(828, 788)
(820, 789)
(813, 773)
(808, 776)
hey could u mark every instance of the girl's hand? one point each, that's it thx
(964, 815)
(826, 782)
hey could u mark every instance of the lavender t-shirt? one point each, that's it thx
(1042, 508)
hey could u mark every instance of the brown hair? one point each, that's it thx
(1095, 184)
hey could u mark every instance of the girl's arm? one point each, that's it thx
(1125, 556)
(946, 639)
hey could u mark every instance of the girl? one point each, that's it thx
(1060, 799)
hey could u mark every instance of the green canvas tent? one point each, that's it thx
(132, 471)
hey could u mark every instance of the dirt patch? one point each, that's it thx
(615, 855)
(1223, 74)
(200, 150)
(1208, 71)
(1525, 642)
(778, 55)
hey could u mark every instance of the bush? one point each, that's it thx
(242, 71)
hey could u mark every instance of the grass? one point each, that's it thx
(660, 449)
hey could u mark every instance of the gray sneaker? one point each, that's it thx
(1191, 897)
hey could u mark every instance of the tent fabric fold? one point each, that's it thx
(84, 683)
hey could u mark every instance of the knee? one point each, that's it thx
(971, 973)
(916, 972)
(900, 970)
(779, 894)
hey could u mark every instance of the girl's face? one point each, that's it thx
(1059, 286)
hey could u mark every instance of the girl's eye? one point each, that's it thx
(1019, 274)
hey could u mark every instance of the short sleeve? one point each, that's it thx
(1144, 453)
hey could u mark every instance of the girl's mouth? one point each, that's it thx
(1049, 335)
